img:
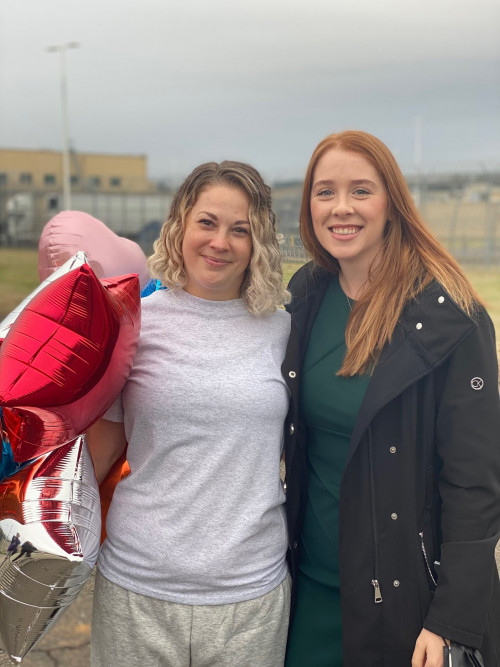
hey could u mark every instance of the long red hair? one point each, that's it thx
(411, 256)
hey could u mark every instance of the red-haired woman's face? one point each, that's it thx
(349, 207)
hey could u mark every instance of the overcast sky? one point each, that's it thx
(186, 81)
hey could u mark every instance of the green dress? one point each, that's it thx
(330, 406)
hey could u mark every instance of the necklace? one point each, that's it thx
(350, 302)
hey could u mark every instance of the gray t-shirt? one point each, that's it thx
(200, 519)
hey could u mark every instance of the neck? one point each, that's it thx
(353, 281)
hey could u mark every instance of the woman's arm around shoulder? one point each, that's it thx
(106, 440)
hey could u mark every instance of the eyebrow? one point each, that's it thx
(358, 181)
(214, 217)
(207, 213)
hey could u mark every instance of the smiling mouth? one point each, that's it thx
(215, 261)
(344, 231)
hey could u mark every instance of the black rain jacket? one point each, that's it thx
(420, 493)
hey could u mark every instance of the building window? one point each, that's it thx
(3, 178)
(95, 181)
(74, 180)
(52, 203)
(25, 178)
(49, 179)
(115, 182)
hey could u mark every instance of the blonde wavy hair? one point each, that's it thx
(262, 288)
(411, 256)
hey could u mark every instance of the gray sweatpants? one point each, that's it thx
(131, 630)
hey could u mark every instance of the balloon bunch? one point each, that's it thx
(65, 354)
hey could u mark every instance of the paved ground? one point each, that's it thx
(67, 644)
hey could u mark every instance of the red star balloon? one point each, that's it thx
(66, 357)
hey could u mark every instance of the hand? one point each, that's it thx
(428, 650)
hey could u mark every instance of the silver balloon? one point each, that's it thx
(50, 524)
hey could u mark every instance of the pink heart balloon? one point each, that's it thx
(108, 254)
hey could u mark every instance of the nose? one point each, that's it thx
(219, 241)
(342, 207)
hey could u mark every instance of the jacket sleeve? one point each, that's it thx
(468, 446)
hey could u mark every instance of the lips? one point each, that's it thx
(346, 231)
(215, 261)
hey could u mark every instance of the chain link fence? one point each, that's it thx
(465, 219)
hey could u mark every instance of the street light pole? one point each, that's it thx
(61, 49)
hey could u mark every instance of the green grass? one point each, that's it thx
(18, 277)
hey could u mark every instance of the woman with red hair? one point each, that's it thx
(392, 445)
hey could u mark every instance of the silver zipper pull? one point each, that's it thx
(378, 594)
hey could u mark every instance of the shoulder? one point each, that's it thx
(158, 302)
(158, 296)
(439, 326)
(281, 316)
(308, 279)
(437, 306)
(280, 319)
(272, 325)
(160, 311)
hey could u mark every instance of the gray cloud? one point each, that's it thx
(187, 81)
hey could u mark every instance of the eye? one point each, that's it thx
(361, 191)
(324, 192)
(206, 222)
(241, 230)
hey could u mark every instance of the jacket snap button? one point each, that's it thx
(295, 544)
(441, 299)
(392, 450)
(395, 583)
(394, 516)
(419, 325)
(292, 429)
(292, 374)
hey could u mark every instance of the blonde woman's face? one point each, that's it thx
(349, 207)
(217, 243)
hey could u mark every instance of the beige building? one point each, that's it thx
(112, 188)
(41, 170)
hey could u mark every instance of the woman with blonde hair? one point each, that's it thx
(193, 570)
(392, 437)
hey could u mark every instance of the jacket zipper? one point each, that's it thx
(378, 594)
(375, 581)
(426, 559)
